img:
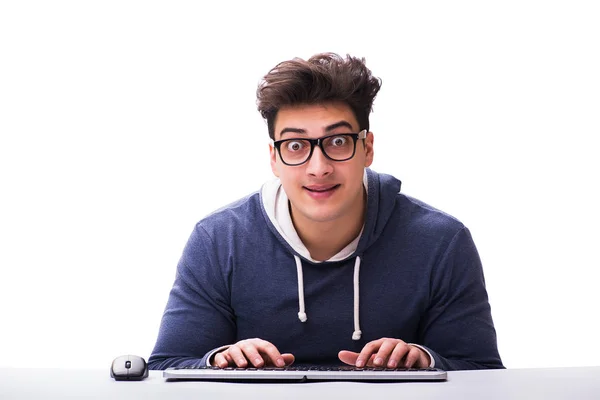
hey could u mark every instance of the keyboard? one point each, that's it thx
(305, 374)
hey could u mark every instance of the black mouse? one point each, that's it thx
(129, 368)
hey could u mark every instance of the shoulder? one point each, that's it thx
(420, 208)
(240, 214)
(403, 219)
(219, 233)
(424, 219)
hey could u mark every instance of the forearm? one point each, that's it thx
(452, 364)
(159, 363)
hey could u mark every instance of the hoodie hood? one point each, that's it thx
(381, 196)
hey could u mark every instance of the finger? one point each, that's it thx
(288, 358)
(386, 348)
(238, 357)
(220, 360)
(270, 354)
(369, 362)
(415, 358)
(348, 357)
(366, 354)
(252, 353)
(224, 354)
(400, 350)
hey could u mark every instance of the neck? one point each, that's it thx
(325, 239)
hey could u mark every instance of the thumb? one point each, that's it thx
(348, 357)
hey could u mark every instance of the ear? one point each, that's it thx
(273, 157)
(369, 149)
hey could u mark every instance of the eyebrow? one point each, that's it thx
(328, 128)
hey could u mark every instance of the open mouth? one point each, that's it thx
(321, 189)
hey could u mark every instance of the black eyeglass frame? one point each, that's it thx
(319, 142)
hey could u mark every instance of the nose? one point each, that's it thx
(318, 165)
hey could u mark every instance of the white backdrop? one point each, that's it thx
(124, 122)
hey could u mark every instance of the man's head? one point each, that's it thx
(327, 98)
(325, 77)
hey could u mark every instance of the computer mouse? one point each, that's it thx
(129, 368)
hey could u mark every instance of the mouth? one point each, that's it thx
(321, 188)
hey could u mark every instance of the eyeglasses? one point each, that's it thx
(337, 147)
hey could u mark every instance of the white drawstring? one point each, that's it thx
(301, 312)
(357, 332)
(356, 335)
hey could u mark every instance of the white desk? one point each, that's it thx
(548, 384)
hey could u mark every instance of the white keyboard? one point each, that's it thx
(302, 374)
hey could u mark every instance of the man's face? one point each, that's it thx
(322, 190)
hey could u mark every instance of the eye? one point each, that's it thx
(294, 146)
(339, 141)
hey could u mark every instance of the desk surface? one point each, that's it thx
(546, 383)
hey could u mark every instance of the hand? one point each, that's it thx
(256, 352)
(387, 353)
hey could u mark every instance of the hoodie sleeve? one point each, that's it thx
(457, 329)
(198, 317)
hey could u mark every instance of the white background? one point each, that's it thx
(124, 122)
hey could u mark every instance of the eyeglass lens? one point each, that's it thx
(338, 147)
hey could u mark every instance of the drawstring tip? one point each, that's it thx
(356, 335)
(302, 316)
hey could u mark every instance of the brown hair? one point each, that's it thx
(323, 78)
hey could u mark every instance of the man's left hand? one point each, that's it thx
(387, 353)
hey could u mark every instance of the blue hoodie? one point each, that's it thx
(413, 274)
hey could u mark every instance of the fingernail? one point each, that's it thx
(257, 361)
(359, 363)
(378, 361)
(393, 363)
(241, 361)
(280, 362)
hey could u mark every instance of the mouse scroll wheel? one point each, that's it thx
(127, 364)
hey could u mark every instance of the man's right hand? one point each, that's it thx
(251, 352)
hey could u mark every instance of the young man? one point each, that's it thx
(329, 263)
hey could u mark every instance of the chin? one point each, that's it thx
(324, 216)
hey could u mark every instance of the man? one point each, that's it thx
(329, 263)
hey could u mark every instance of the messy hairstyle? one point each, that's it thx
(325, 77)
